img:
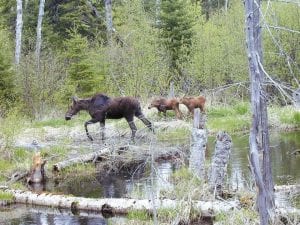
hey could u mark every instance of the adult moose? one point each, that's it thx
(101, 107)
(193, 102)
(163, 104)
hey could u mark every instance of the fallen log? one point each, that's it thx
(289, 189)
(115, 206)
(93, 156)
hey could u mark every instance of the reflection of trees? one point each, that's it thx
(284, 165)
(52, 216)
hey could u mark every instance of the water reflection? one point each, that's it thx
(25, 215)
(137, 182)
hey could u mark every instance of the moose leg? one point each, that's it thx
(86, 130)
(145, 121)
(132, 127)
(102, 128)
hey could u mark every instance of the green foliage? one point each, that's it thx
(218, 54)
(138, 67)
(39, 87)
(243, 216)
(173, 134)
(138, 214)
(8, 93)
(9, 129)
(79, 14)
(176, 24)
(281, 43)
(83, 78)
(290, 117)
(6, 196)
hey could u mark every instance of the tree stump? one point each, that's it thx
(198, 145)
(220, 161)
(37, 171)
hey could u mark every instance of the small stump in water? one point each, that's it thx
(37, 171)
(220, 161)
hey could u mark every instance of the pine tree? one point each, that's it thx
(7, 88)
(177, 33)
(83, 77)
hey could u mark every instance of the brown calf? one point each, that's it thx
(193, 102)
(163, 104)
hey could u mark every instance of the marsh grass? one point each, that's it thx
(5, 196)
(139, 215)
(241, 216)
(59, 122)
(186, 186)
(10, 127)
(229, 118)
(178, 133)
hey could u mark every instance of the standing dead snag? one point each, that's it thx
(259, 133)
(220, 161)
(37, 171)
(198, 145)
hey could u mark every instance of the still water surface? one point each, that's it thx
(285, 166)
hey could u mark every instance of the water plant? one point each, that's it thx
(5, 196)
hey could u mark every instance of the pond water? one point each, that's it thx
(138, 182)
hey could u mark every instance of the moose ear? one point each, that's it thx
(75, 99)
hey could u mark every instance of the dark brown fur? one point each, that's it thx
(101, 107)
(163, 104)
(193, 102)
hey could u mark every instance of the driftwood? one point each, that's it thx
(290, 189)
(220, 161)
(93, 156)
(198, 146)
(116, 205)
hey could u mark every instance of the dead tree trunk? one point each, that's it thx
(37, 172)
(39, 33)
(108, 17)
(19, 25)
(259, 135)
(80, 159)
(220, 161)
(198, 145)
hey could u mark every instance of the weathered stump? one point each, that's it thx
(37, 171)
(220, 161)
(198, 145)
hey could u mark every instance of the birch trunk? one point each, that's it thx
(220, 161)
(157, 12)
(39, 32)
(108, 17)
(19, 25)
(259, 136)
(116, 205)
(198, 146)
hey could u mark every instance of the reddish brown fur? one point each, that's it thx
(163, 104)
(193, 102)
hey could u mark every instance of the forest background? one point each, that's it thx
(198, 46)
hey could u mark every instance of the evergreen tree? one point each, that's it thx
(7, 87)
(84, 15)
(176, 26)
(83, 77)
